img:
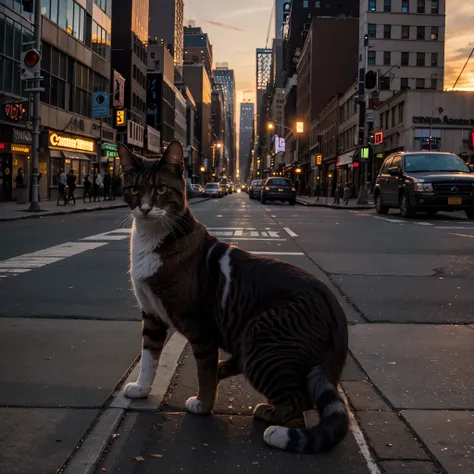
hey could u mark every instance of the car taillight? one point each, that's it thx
(267, 188)
(293, 189)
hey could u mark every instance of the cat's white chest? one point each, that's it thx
(144, 263)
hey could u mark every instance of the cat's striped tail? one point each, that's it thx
(332, 427)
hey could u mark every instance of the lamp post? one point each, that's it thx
(213, 146)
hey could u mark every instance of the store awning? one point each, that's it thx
(75, 156)
(345, 159)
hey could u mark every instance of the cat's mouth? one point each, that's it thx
(149, 213)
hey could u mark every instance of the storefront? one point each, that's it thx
(109, 159)
(345, 168)
(65, 151)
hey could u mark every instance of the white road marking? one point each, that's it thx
(273, 216)
(253, 238)
(290, 232)
(397, 221)
(239, 233)
(273, 233)
(225, 233)
(124, 230)
(422, 223)
(219, 215)
(275, 253)
(41, 258)
(464, 235)
(455, 228)
(360, 439)
(109, 236)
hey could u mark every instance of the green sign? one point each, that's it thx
(364, 153)
(110, 147)
(379, 155)
(111, 153)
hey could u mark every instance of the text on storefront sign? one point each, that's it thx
(442, 121)
(56, 140)
(20, 149)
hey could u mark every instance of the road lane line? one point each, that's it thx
(422, 223)
(226, 228)
(463, 235)
(252, 238)
(397, 221)
(290, 232)
(107, 236)
(275, 253)
(455, 228)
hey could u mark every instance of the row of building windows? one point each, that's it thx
(347, 139)
(17, 6)
(138, 103)
(101, 41)
(419, 59)
(105, 6)
(422, 6)
(419, 32)
(139, 76)
(396, 114)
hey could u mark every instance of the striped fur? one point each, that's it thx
(285, 330)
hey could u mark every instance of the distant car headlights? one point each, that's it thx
(421, 187)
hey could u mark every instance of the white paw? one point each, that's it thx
(194, 405)
(133, 390)
(276, 436)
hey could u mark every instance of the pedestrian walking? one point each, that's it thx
(107, 186)
(98, 183)
(347, 194)
(337, 194)
(87, 187)
(62, 182)
(71, 182)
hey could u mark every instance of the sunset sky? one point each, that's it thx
(237, 28)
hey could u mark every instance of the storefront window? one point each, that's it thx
(56, 164)
(84, 167)
(20, 162)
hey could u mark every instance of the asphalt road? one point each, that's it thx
(69, 332)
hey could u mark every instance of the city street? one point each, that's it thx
(70, 338)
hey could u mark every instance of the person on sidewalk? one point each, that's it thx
(71, 182)
(107, 187)
(347, 194)
(337, 194)
(98, 183)
(87, 187)
(62, 182)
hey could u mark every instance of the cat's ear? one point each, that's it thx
(127, 159)
(174, 156)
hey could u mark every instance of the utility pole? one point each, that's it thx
(363, 192)
(36, 90)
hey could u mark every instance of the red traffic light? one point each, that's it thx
(355, 164)
(31, 58)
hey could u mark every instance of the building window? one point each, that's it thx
(317, 4)
(435, 7)
(387, 5)
(405, 32)
(404, 83)
(372, 5)
(401, 107)
(387, 31)
(105, 6)
(434, 83)
(372, 30)
(387, 56)
(434, 59)
(405, 6)
(434, 33)
(420, 59)
(420, 6)
(385, 83)
(71, 17)
(305, 4)
(101, 41)
(420, 83)
(405, 59)
(371, 58)
(420, 32)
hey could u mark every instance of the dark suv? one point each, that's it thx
(425, 182)
(278, 189)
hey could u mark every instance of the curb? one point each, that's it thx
(332, 206)
(40, 214)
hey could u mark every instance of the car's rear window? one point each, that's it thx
(211, 186)
(279, 182)
(257, 182)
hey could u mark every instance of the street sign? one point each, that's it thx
(100, 105)
(120, 119)
(369, 115)
(319, 159)
(378, 138)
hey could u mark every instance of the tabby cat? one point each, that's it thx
(284, 329)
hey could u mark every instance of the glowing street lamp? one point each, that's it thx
(299, 127)
(202, 169)
(271, 126)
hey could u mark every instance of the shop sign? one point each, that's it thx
(110, 153)
(22, 136)
(118, 87)
(442, 121)
(100, 105)
(56, 140)
(135, 133)
(110, 147)
(20, 149)
(76, 123)
(153, 139)
(15, 111)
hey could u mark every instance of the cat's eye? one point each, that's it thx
(133, 191)
(161, 189)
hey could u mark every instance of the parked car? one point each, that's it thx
(198, 189)
(213, 190)
(426, 182)
(278, 189)
(189, 189)
(254, 188)
(243, 188)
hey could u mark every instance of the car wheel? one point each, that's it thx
(406, 210)
(470, 213)
(379, 205)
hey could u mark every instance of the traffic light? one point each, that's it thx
(378, 138)
(29, 64)
(370, 80)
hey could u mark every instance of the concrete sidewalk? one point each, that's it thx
(11, 211)
(329, 202)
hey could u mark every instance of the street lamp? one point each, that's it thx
(202, 169)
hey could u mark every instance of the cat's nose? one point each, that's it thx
(145, 211)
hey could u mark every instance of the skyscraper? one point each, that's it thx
(247, 112)
(224, 79)
(198, 48)
(166, 26)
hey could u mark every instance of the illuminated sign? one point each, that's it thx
(20, 149)
(120, 119)
(299, 127)
(364, 153)
(61, 141)
(319, 159)
(378, 138)
(472, 139)
(15, 112)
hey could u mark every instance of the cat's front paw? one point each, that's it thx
(133, 390)
(198, 407)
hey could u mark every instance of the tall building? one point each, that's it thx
(130, 34)
(75, 64)
(166, 26)
(405, 44)
(264, 74)
(282, 10)
(224, 80)
(218, 117)
(198, 48)
(247, 114)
